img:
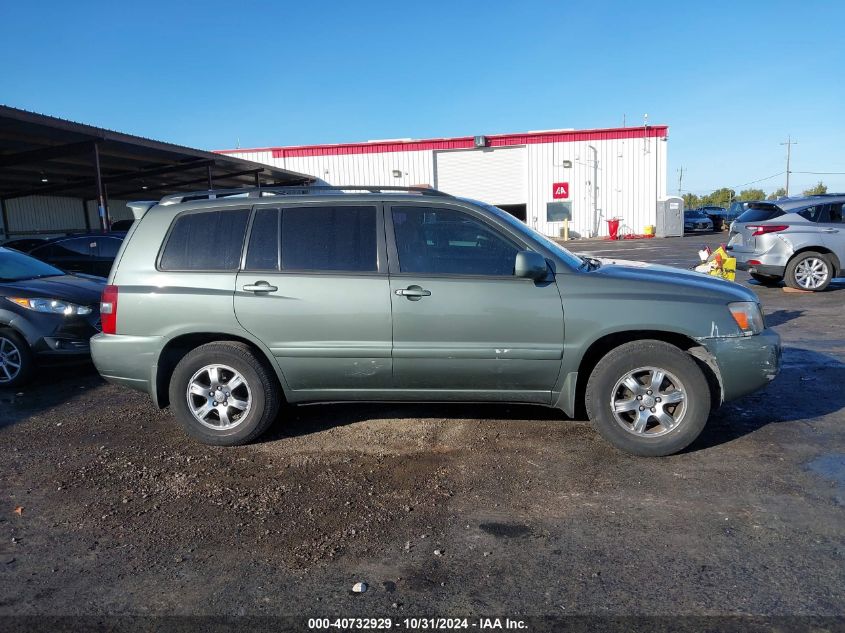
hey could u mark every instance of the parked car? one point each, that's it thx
(90, 253)
(45, 315)
(797, 240)
(695, 220)
(222, 308)
(24, 244)
(717, 215)
(122, 225)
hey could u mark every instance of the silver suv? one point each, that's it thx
(797, 240)
(226, 304)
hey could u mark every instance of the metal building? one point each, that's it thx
(599, 174)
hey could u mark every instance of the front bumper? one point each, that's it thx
(746, 363)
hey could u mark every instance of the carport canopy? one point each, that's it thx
(44, 155)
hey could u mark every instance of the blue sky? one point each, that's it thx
(730, 79)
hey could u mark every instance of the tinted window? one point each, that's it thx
(210, 240)
(263, 251)
(760, 214)
(107, 247)
(329, 238)
(432, 240)
(836, 212)
(816, 213)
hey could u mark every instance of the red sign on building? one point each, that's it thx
(560, 190)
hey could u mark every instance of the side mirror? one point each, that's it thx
(530, 265)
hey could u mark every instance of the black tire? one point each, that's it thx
(766, 280)
(659, 440)
(793, 275)
(262, 393)
(14, 350)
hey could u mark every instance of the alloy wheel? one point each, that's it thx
(219, 397)
(811, 273)
(648, 402)
(10, 360)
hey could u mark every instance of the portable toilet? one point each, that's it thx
(670, 217)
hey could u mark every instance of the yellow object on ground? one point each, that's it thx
(649, 229)
(719, 265)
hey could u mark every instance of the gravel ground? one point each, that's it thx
(443, 510)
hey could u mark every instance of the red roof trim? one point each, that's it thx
(461, 142)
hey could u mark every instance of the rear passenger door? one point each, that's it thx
(314, 289)
(833, 231)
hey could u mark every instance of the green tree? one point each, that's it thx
(751, 194)
(779, 193)
(815, 191)
(719, 198)
(691, 201)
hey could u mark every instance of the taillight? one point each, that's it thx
(762, 229)
(108, 310)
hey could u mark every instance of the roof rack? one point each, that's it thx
(292, 190)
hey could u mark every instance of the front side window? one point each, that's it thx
(329, 238)
(432, 240)
(835, 212)
(206, 241)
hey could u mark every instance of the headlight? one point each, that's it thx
(748, 317)
(51, 306)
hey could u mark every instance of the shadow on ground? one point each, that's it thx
(816, 377)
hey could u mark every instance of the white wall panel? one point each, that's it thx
(498, 176)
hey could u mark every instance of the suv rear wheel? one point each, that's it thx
(223, 395)
(648, 398)
(809, 271)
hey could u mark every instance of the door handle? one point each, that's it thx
(413, 293)
(260, 286)
(830, 230)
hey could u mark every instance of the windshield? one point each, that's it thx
(570, 258)
(694, 214)
(16, 266)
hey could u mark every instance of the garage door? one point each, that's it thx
(497, 176)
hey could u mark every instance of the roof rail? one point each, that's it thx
(292, 190)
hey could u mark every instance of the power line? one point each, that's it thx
(780, 173)
(821, 173)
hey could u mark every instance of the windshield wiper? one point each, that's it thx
(590, 262)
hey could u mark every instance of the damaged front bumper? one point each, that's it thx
(746, 363)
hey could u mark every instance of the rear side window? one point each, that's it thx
(836, 212)
(263, 251)
(210, 240)
(816, 213)
(335, 238)
(760, 213)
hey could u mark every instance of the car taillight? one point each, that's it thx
(762, 229)
(108, 310)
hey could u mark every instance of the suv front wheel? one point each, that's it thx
(223, 394)
(648, 398)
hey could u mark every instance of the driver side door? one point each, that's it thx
(464, 327)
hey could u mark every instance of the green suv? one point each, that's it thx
(225, 304)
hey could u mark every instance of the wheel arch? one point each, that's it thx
(834, 260)
(177, 347)
(608, 342)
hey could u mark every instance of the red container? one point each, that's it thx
(613, 228)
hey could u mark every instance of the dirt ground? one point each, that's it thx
(442, 510)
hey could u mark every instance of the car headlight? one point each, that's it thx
(748, 317)
(51, 306)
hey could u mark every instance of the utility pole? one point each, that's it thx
(680, 180)
(789, 143)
